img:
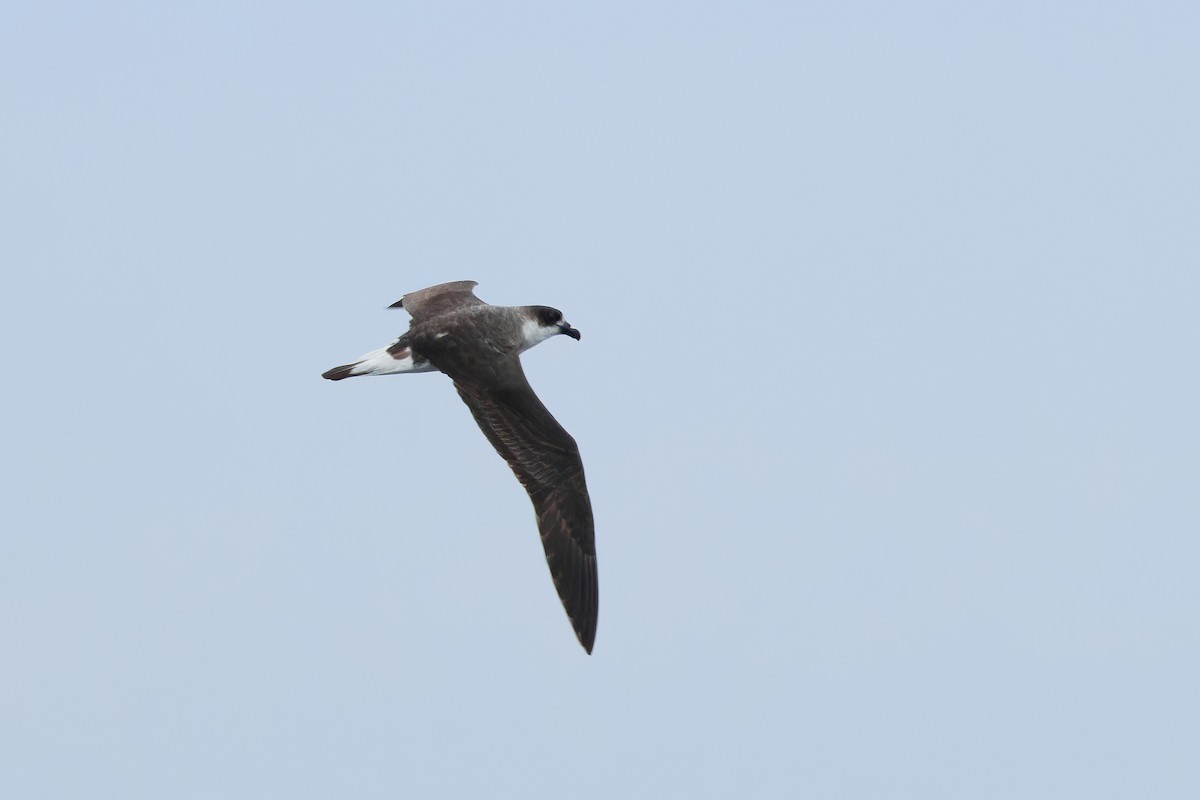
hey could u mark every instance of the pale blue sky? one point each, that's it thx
(887, 394)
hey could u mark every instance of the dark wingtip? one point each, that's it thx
(398, 304)
(337, 373)
(585, 629)
(587, 635)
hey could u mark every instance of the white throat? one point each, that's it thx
(532, 332)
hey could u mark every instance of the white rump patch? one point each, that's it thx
(381, 362)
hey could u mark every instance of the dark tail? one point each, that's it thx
(337, 373)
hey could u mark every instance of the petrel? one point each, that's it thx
(479, 346)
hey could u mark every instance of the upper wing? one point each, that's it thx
(438, 299)
(546, 460)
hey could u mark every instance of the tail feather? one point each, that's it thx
(337, 373)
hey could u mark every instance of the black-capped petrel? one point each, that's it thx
(479, 346)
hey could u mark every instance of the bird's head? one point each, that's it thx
(546, 322)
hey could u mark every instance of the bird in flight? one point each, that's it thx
(479, 346)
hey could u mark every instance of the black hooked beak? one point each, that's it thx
(568, 330)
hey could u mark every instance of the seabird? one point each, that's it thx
(479, 346)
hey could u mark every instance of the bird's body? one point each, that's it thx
(479, 345)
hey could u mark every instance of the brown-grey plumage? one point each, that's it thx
(440, 299)
(479, 345)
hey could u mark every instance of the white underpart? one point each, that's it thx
(381, 362)
(536, 333)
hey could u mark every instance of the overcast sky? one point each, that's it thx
(887, 395)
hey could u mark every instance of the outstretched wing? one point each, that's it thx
(546, 460)
(438, 299)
